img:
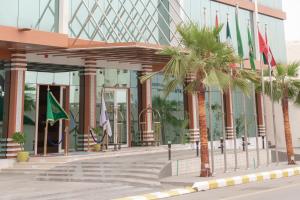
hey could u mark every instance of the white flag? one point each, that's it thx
(104, 120)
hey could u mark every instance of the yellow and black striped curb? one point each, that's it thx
(218, 183)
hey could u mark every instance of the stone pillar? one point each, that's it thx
(87, 104)
(260, 114)
(191, 108)
(145, 101)
(227, 97)
(13, 103)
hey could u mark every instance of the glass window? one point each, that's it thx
(35, 14)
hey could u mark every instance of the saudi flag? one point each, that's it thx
(54, 111)
(238, 35)
(251, 50)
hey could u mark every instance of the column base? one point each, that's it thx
(261, 130)
(8, 148)
(148, 138)
(229, 133)
(194, 135)
(85, 143)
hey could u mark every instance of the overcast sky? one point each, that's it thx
(292, 24)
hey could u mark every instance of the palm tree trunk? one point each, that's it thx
(287, 131)
(205, 168)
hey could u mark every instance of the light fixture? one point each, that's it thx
(24, 29)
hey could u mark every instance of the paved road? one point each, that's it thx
(281, 189)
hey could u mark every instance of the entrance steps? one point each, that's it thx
(135, 173)
(131, 173)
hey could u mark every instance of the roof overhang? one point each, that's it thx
(58, 49)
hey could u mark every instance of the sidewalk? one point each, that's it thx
(193, 183)
(190, 179)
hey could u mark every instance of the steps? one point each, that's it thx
(126, 171)
(131, 173)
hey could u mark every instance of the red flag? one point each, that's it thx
(217, 21)
(270, 58)
(265, 50)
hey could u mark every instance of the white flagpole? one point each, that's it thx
(273, 106)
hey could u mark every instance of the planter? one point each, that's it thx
(23, 156)
(97, 147)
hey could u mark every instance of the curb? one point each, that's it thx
(218, 183)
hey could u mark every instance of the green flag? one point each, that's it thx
(251, 50)
(238, 35)
(228, 33)
(54, 110)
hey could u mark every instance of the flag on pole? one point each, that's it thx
(266, 50)
(54, 110)
(217, 26)
(251, 50)
(104, 120)
(238, 35)
(270, 58)
(228, 34)
(229, 39)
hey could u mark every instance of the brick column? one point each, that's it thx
(145, 101)
(260, 114)
(87, 104)
(227, 97)
(190, 105)
(13, 103)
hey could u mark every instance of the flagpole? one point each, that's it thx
(273, 106)
(254, 103)
(46, 129)
(264, 109)
(228, 36)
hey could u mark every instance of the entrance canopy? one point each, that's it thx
(54, 51)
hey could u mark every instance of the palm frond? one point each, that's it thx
(292, 69)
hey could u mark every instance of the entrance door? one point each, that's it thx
(54, 143)
(117, 107)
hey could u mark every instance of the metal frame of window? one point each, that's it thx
(130, 21)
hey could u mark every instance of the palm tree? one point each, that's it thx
(210, 61)
(285, 86)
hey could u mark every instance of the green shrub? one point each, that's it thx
(19, 138)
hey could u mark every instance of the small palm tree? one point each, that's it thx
(285, 86)
(210, 61)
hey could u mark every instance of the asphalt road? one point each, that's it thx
(280, 189)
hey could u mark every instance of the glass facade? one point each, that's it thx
(139, 21)
(36, 14)
(109, 79)
(275, 30)
(277, 4)
(171, 109)
(121, 21)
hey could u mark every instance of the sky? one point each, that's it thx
(292, 24)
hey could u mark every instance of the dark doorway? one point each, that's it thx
(53, 131)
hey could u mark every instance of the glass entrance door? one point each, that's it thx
(117, 107)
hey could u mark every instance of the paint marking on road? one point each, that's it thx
(261, 192)
(218, 183)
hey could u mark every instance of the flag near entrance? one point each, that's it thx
(238, 35)
(104, 120)
(54, 113)
(251, 50)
